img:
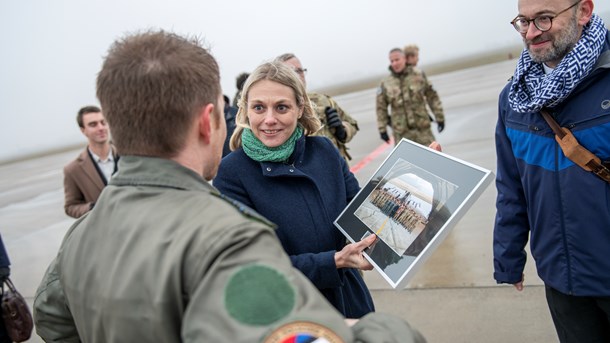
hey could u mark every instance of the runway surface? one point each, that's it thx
(452, 298)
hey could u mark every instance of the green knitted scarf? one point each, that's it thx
(256, 150)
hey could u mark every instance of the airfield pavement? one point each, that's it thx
(452, 297)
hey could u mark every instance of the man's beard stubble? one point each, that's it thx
(562, 44)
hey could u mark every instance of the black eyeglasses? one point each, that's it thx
(301, 71)
(542, 23)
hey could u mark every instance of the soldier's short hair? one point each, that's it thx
(279, 72)
(411, 50)
(152, 85)
(396, 50)
(83, 111)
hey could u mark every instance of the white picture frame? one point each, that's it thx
(411, 202)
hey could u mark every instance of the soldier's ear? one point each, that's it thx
(205, 122)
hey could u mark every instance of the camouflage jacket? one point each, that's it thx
(320, 102)
(408, 94)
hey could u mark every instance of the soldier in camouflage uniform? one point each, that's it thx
(337, 125)
(411, 54)
(409, 94)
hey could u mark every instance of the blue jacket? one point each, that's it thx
(303, 199)
(4, 260)
(564, 209)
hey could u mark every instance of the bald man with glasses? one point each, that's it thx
(543, 196)
(337, 125)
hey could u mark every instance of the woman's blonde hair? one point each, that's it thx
(275, 71)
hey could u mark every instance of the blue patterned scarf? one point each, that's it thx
(532, 89)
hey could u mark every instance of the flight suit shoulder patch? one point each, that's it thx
(303, 331)
(259, 295)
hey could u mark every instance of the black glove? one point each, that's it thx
(384, 136)
(333, 121)
(441, 126)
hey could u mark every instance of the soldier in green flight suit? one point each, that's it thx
(163, 257)
(337, 125)
(409, 94)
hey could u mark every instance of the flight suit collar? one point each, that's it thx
(159, 172)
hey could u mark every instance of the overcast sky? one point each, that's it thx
(51, 51)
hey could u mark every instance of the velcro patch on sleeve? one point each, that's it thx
(259, 295)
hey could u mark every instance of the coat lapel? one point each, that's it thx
(89, 169)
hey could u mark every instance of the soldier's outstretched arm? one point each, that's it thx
(380, 327)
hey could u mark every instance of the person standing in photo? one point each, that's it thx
(337, 125)
(89, 173)
(408, 94)
(544, 197)
(411, 54)
(298, 181)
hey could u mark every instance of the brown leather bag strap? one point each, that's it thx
(576, 152)
(552, 123)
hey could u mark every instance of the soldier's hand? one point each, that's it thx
(436, 146)
(384, 136)
(332, 117)
(441, 126)
(333, 121)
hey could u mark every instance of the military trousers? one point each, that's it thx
(421, 136)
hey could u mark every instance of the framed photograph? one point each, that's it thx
(411, 203)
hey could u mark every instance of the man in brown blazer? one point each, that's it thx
(88, 174)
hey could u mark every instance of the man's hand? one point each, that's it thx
(519, 285)
(384, 136)
(333, 121)
(441, 126)
(436, 146)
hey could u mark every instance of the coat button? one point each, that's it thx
(268, 168)
(291, 170)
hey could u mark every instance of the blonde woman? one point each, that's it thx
(299, 182)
